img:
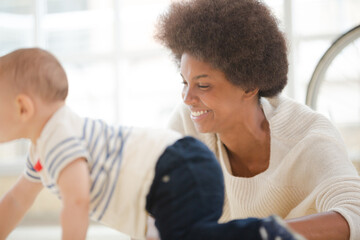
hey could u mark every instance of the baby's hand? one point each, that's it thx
(274, 228)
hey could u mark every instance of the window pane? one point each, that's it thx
(92, 89)
(137, 32)
(11, 39)
(16, 31)
(151, 89)
(16, 6)
(88, 32)
(308, 55)
(314, 17)
(277, 8)
(59, 6)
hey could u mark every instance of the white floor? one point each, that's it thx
(50, 232)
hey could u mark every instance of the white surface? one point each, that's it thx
(54, 233)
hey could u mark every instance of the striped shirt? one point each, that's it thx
(121, 162)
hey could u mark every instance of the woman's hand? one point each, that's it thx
(330, 225)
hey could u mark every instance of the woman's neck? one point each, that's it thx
(248, 144)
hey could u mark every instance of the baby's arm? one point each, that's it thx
(74, 184)
(16, 203)
(152, 232)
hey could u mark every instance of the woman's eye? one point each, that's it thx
(203, 86)
(184, 82)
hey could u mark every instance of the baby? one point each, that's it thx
(113, 174)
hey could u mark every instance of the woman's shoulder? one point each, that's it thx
(292, 120)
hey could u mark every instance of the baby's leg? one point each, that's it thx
(187, 188)
(187, 196)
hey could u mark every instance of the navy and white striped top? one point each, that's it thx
(67, 137)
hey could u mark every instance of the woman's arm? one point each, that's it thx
(330, 225)
(16, 203)
(74, 184)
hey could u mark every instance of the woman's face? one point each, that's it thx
(216, 105)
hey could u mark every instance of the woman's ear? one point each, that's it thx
(25, 107)
(250, 93)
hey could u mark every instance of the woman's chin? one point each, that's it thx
(203, 129)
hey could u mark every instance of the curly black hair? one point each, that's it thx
(238, 37)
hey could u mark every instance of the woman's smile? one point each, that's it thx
(197, 115)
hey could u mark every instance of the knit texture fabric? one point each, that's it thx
(309, 170)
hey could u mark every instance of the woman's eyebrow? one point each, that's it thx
(197, 77)
(200, 76)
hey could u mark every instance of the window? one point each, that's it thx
(116, 70)
(316, 24)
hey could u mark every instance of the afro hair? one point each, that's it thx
(238, 37)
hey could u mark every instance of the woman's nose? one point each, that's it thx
(188, 95)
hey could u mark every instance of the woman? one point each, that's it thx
(278, 157)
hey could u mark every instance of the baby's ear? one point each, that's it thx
(25, 107)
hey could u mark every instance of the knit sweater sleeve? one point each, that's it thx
(332, 180)
(316, 163)
(327, 176)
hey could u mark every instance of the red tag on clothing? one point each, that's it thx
(38, 166)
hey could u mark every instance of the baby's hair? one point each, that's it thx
(238, 37)
(35, 71)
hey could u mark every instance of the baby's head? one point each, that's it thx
(33, 85)
(34, 72)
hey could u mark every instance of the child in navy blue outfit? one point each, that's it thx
(187, 196)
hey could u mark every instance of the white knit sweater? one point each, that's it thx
(309, 170)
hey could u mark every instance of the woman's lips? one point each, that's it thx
(198, 115)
